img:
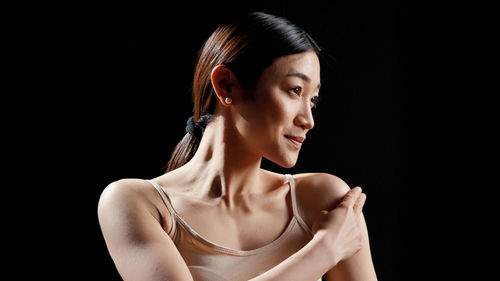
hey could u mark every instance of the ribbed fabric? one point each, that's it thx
(208, 261)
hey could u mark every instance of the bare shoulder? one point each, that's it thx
(134, 232)
(124, 189)
(126, 195)
(318, 191)
(325, 185)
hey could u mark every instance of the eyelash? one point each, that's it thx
(314, 99)
(299, 90)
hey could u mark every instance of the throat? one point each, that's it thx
(217, 190)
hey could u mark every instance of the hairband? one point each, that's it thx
(196, 129)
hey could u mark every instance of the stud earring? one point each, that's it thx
(228, 100)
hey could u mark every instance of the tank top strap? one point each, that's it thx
(295, 203)
(167, 202)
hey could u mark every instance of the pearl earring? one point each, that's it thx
(228, 100)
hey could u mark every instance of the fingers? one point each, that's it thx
(355, 199)
(351, 197)
(358, 206)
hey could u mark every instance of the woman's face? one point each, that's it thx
(277, 114)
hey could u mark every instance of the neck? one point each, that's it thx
(223, 166)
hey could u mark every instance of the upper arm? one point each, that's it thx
(322, 191)
(137, 243)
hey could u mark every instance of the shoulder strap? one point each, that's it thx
(295, 203)
(170, 208)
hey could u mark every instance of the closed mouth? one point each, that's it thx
(296, 141)
(296, 138)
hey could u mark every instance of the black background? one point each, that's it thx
(113, 95)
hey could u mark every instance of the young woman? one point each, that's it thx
(215, 214)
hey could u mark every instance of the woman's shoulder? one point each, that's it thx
(128, 194)
(318, 191)
(324, 184)
(318, 185)
(125, 188)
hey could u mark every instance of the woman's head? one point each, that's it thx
(246, 48)
(278, 109)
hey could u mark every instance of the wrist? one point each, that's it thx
(325, 249)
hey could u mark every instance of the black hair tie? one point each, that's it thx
(196, 129)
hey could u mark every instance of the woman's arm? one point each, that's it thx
(132, 229)
(359, 267)
(337, 236)
(142, 251)
(323, 191)
(308, 264)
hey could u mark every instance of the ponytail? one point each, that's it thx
(183, 152)
(188, 146)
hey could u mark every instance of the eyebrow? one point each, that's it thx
(301, 76)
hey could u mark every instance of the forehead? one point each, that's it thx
(306, 63)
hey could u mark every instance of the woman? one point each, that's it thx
(215, 214)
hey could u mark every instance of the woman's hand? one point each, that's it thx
(338, 235)
(340, 229)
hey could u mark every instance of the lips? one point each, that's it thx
(296, 138)
(296, 141)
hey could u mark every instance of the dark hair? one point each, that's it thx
(247, 46)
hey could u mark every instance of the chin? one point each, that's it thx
(284, 162)
(288, 165)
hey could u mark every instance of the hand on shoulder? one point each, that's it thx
(317, 192)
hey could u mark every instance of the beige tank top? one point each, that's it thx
(208, 261)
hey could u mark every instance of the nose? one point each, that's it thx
(305, 118)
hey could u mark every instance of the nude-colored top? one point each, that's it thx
(208, 261)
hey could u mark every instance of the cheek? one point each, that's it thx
(272, 107)
(267, 114)
(279, 108)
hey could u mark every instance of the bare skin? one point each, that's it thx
(224, 180)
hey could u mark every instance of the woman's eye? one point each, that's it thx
(314, 101)
(297, 90)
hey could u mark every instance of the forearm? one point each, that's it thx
(307, 264)
(359, 267)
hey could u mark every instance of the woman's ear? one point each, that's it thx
(224, 82)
